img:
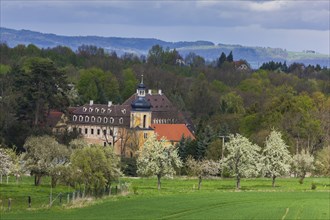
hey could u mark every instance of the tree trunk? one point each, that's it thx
(36, 114)
(159, 184)
(273, 181)
(199, 182)
(238, 182)
(37, 179)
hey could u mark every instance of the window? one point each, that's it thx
(98, 131)
(86, 119)
(93, 119)
(144, 121)
(99, 119)
(121, 120)
(104, 132)
(97, 110)
(92, 131)
(90, 109)
(81, 118)
(109, 110)
(75, 118)
(111, 132)
(104, 144)
(145, 135)
(80, 131)
(112, 120)
(86, 131)
(105, 119)
(84, 109)
(123, 111)
(102, 110)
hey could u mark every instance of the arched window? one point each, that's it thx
(84, 109)
(86, 119)
(111, 120)
(93, 119)
(90, 109)
(102, 110)
(75, 118)
(121, 120)
(99, 119)
(81, 118)
(97, 110)
(105, 119)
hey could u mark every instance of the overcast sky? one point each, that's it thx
(292, 24)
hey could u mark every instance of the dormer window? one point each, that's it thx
(105, 119)
(123, 111)
(75, 118)
(111, 120)
(93, 119)
(81, 118)
(84, 109)
(99, 119)
(97, 110)
(90, 109)
(121, 120)
(109, 110)
(102, 110)
(86, 119)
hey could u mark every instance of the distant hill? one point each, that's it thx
(140, 46)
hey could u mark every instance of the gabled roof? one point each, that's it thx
(53, 118)
(172, 132)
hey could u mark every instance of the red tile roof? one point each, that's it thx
(172, 132)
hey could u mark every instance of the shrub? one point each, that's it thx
(313, 186)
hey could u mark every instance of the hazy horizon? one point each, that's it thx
(291, 25)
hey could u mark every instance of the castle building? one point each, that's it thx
(127, 126)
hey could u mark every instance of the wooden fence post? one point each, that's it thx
(29, 201)
(9, 204)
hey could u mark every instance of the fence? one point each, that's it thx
(19, 202)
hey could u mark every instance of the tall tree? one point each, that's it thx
(221, 59)
(95, 167)
(156, 158)
(242, 159)
(276, 156)
(202, 168)
(43, 154)
(322, 163)
(302, 164)
(230, 57)
(44, 88)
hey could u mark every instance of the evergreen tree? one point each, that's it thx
(222, 59)
(230, 57)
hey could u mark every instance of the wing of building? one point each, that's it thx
(126, 127)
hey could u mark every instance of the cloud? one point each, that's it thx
(217, 20)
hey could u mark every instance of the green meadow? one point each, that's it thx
(179, 199)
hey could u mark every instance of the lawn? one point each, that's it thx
(218, 199)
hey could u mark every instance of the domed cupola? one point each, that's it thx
(141, 104)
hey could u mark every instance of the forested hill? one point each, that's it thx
(255, 56)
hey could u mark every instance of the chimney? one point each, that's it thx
(149, 92)
(109, 103)
(91, 102)
(160, 92)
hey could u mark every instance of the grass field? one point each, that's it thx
(217, 199)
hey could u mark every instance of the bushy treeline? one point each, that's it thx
(219, 97)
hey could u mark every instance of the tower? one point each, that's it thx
(141, 109)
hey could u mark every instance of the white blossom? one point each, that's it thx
(275, 156)
(157, 158)
(242, 159)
